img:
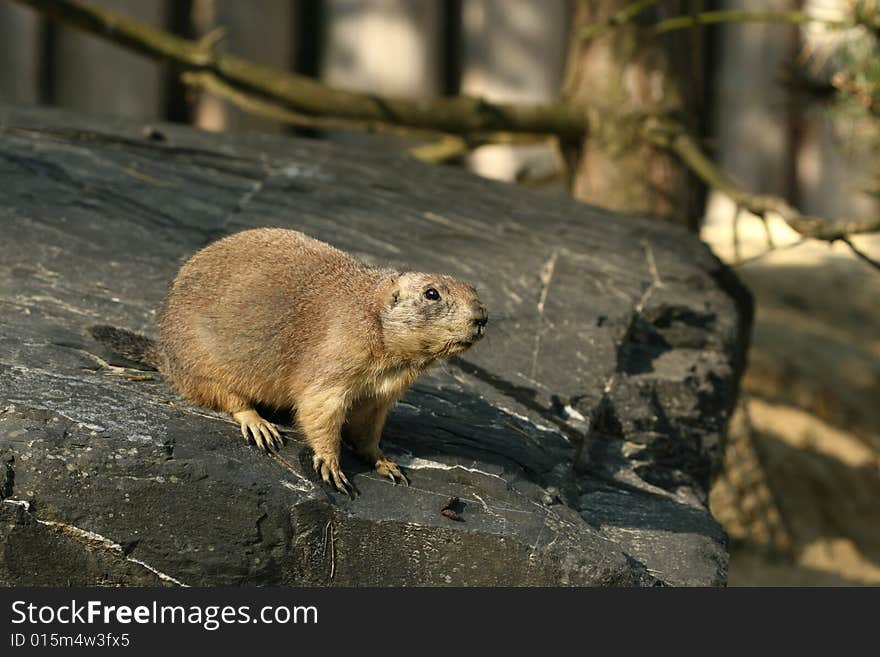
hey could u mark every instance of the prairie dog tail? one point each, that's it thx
(133, 346)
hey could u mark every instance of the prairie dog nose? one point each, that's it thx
(480, 314)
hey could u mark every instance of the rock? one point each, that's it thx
(580, 436)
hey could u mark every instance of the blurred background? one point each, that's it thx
(787, 108)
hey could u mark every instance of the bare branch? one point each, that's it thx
(439, 146)
(442, 147)
(768, 251)
(459, 114)
(739, 16)
(626, 16)
(861, 254)
(303, 101)
(672, 136)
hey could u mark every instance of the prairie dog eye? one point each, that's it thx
(431, 294)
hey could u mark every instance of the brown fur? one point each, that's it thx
(271, 316)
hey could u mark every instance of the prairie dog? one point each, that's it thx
(273, 317)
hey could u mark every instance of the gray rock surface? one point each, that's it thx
(580, 435)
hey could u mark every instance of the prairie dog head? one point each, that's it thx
(429, 316)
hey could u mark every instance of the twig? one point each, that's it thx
(305, 99)
(330, 539)
(768, 233)
(739, 16)
(448, 147)
(210, 82)
(737, 252)
(440, 147)
(673, 137)
(766, 252)
(458, 114)
(861, 254)
(626, 15)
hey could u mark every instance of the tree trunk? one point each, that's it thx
(625, 73)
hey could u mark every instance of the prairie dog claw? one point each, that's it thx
(387, 467)
(328, 468)
(257, 430)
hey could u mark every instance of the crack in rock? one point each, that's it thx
(546, 277)
(8, 488)
(93, 539)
